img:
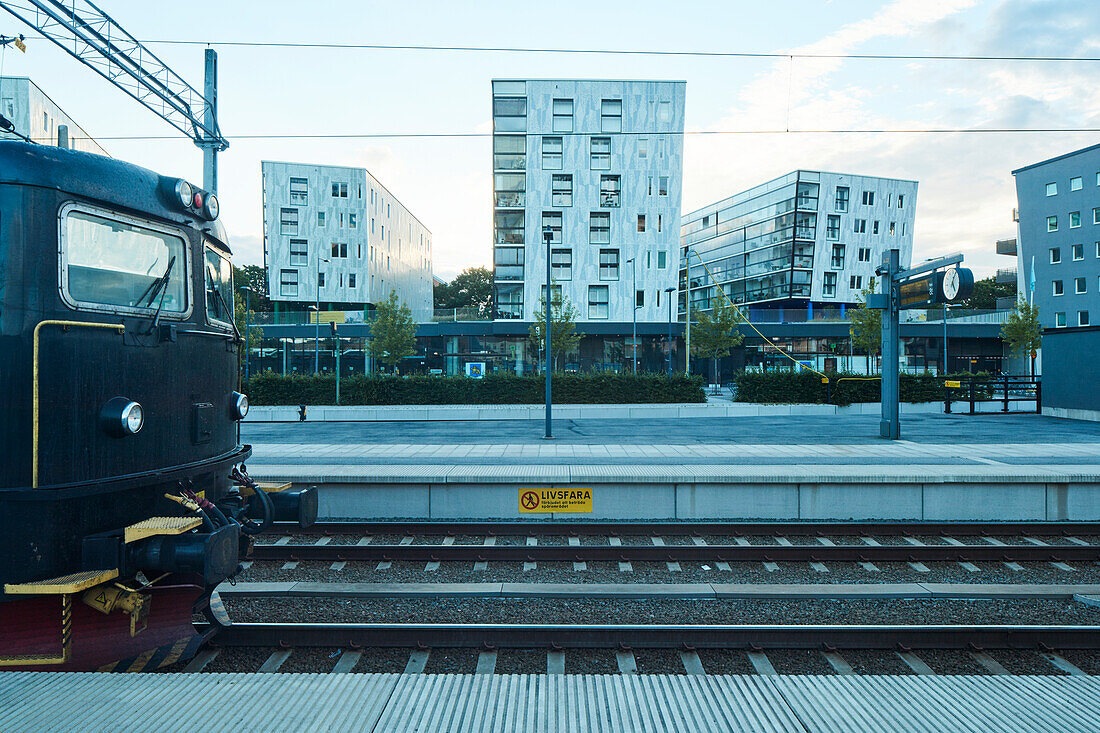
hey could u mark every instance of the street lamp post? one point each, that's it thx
(945, 338)
(548, 235)
(247, 327)
(687, 311)
(317, 319)
(634, 311)
(668, 294)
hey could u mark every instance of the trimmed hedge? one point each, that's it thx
(844, 389)
(494, 389)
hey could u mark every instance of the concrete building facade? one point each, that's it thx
(1059, 237)
(337, 235)
(809, 239)
(35, 115)
(599, 163)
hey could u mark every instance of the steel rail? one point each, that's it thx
(673, 528)
(744, 636)
(674, 553)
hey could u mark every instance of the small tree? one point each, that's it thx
(563, 328)
(393, 332)
(866, 328)
(715, 332)
(471, 288)
(1022, 332)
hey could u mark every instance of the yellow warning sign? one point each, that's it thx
(952, 383)
(543, 501)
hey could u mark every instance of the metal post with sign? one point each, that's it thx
(929, 283)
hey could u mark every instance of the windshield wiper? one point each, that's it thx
(231, 317)
(160, 285)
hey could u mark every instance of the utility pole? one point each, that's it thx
(548, 235)
(669, 292)
(890, 425)
(687, 312)
(317, 316)
(945, 338)
(634, 311)
(210, 145)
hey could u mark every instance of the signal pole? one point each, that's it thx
(209, 145)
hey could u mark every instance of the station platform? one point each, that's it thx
(44, 701)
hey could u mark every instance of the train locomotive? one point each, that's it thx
(124, 497)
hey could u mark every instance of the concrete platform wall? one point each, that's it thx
(839, 500)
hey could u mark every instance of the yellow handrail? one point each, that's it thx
(34, 419)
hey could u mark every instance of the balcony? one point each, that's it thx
(510, 199)
(1006, 247)
(609, 199)
(1006, 275)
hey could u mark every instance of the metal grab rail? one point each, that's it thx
(1011, 389)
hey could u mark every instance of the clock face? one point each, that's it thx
(951, 284)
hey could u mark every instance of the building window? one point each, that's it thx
(288, 283)
(864, 254)
(351, 280)
(339, 190)
(320, 218)
(508, 226)
(832, 227)
(841, 203)
(561, 193)
(340, 249)
(1060, 320)
(1055, 255)
(828, 286)
(643, 151)
(664, 113)
(600, 154)
(597, 301)
(874, 227)
(555, 294)
(509, 190)
(599, 227)
(662, 259)
(868, 198)
(611, 115)
(901, 201)
(1052, 223)
(662, 186)
(320, 279)
(509, 114)
(1075, 183)
(509, 152)
(1052, 189)
(838, 257)
(1078, 252)
(563, 115)
(299, 252)
(551, 220)
(561, 264)
(288, 222)
(860, 226)
(891, 230)
(508, 263)
(1079, 285)
(1056, 287)
(641, 222)
(609, 192)
(609, 264)
(855, 282)
(1082, 318)
(639, 299)
(649, 186)
(1074, 219)
(1096, 215)
(351, 221)
(551, 153)
(299, 191)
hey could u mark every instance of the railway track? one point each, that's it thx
(658, 636)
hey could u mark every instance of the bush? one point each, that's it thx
(844, 389)
(494, 389)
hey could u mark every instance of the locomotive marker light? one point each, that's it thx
(121, 417)
(183, 192)
(240, 406)
(192, 199)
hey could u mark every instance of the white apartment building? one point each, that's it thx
(598, 163)
(336, 235)
(35, 115)
(808, 239)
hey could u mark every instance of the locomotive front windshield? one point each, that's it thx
(115, 263)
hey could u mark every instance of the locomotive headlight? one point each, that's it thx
(240, 406)
(121, 417)
(210, 208)
(183, 192)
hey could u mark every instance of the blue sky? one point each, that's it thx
(966, 190)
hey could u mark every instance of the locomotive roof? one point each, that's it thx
(98, 178)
